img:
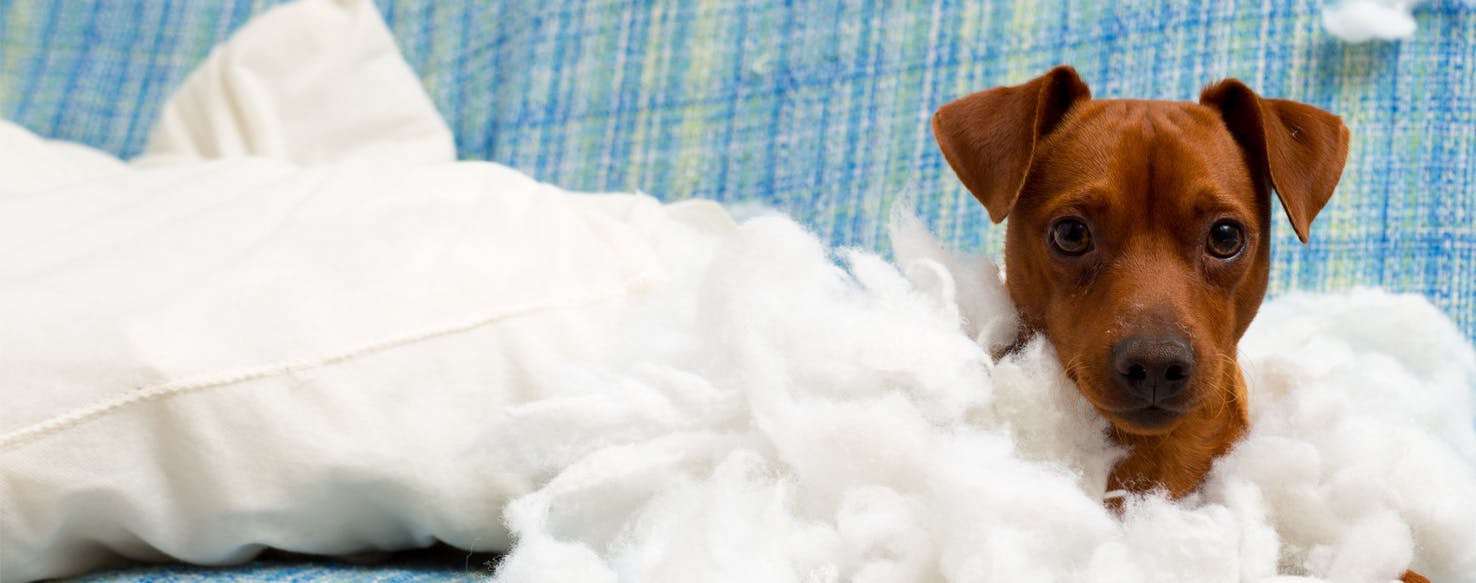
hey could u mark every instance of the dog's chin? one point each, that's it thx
(1146, 421)
(1132, 417)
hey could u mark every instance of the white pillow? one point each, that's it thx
(315, 81)
(202, 358)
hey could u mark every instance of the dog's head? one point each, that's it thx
(1139, 231)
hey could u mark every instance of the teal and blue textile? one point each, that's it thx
(821, 108)
(434, 565)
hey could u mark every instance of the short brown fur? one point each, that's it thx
(1149, 180)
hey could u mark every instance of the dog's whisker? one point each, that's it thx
(1227, 395)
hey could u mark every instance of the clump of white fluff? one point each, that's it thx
(1363, 20)
(771, 416)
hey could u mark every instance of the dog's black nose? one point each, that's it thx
(1153, 369)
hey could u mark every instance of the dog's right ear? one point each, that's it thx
(989, 137)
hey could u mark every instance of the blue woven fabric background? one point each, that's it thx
(435, 565)
(821, 109)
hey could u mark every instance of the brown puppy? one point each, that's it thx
(1139, 243)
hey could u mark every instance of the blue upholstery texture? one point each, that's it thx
(433, 565)
(822, 108)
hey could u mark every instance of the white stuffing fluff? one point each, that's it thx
(1363, 20)
(1359, 21)
(772, 416)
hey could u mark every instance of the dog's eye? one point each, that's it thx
(1071, 237)
(1225, 240)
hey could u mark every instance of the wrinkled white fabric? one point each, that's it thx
(288, 323)
(315, 82)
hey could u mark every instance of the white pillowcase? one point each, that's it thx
(200, 358)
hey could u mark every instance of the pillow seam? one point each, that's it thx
(104, 407)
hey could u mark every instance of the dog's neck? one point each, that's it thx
(1177, 461)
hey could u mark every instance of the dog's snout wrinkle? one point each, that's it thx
(1154, 369)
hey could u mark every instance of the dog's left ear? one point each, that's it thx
(1300, 149)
